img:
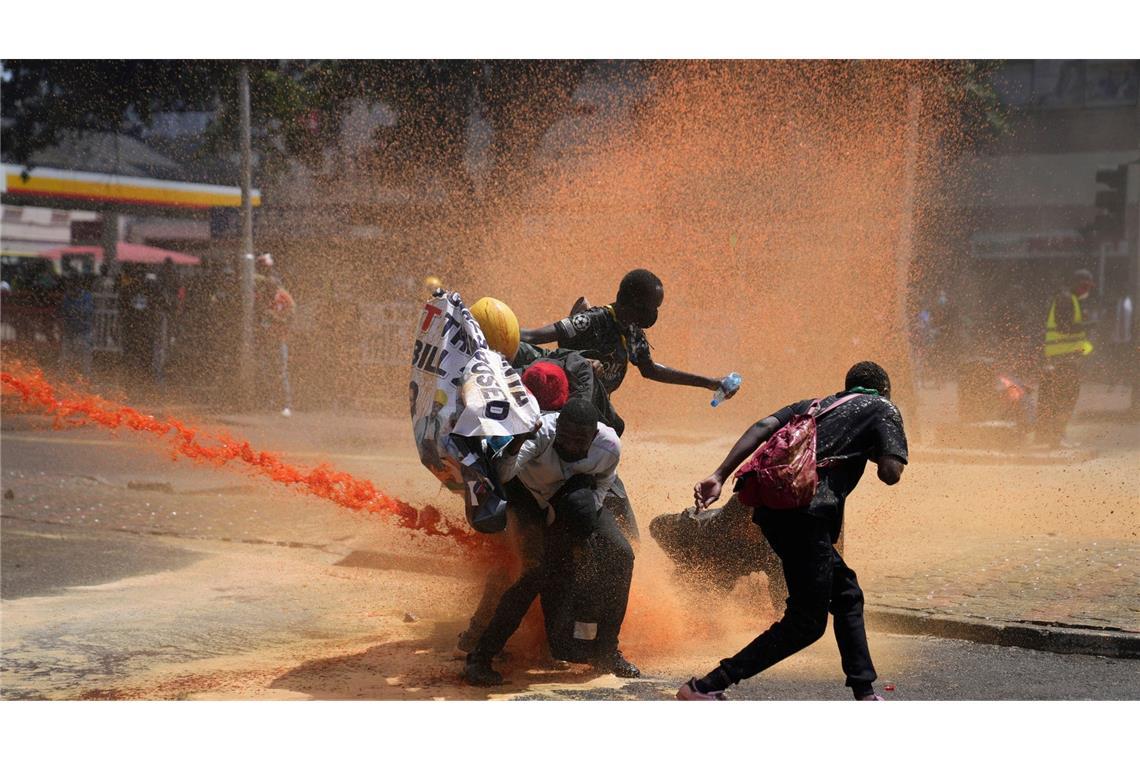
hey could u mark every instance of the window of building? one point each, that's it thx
(1085, 84)
(1013, 83)
(1058, 84)
(1111, 83)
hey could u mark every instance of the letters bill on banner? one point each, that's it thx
(465, 400)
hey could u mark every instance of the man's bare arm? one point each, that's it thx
(539, 335)
(662, 374)
(708, 490)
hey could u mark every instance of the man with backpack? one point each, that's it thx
(809, 457)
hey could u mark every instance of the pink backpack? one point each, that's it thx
(782, 474)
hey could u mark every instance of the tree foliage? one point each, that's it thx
(298, 106)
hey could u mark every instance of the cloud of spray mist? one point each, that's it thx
(769, 197)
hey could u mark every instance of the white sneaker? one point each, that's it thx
(286, 412)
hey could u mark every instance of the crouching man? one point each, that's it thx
(559, 476)
(864, 426)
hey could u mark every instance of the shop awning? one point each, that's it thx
(125, 252)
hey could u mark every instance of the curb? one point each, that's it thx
(944, 455)
(1048, 638)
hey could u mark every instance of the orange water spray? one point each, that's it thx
(221, 449)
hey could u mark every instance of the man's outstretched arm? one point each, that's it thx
(708, 490)
(539, 335)
(660, 373)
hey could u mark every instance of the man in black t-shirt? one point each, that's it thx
(614, 336)
(865, 428)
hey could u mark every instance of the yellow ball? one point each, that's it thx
(432, 283)
(499, 325)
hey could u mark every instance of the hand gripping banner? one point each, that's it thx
(465, 400)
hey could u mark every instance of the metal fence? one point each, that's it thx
(107, 334)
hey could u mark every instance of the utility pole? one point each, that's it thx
(904, 255)
(1132, 243)
(245, 262)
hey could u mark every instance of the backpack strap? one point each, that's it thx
(838, 402)
(832, 460)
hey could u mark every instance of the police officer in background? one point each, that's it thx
(1066, 345)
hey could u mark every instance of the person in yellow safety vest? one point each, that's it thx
(1066, 345)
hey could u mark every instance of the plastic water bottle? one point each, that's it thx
(727, 386)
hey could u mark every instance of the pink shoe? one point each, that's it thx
(690, 693)
(871, 698)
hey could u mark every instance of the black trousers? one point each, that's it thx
(523, 538)
(617, 502)
(599, 596)
(581, 579)
(819, 582)
(1057, 398)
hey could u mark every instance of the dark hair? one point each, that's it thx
(868, 375)
(580, 412)
(639, 288)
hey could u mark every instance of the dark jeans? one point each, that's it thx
(592, 573)
(1060, 386)
(617, 502)
(818, 582)
(556, 565)
(523, 538)
(600, 592)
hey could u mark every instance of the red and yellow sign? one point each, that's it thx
(115, 188)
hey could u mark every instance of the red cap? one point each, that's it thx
(548, 383)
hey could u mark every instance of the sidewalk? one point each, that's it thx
(1053, 594)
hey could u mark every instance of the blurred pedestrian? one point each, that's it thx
(275, 307)
(164, 300)
(1066, 345)
(77, 322)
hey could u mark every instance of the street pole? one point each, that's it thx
(109, 240)
(245, 263)
(1132, 242)
(905, 253)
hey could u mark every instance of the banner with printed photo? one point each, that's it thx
(461, 393)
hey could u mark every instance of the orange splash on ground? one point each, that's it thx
(73, 408)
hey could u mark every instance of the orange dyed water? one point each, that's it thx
(220, 449)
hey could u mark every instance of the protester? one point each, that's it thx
(275, 307)
(1066, 345)
(614, 336)
(864, 425)
(552, 380)
(77, 321)
(557, 477)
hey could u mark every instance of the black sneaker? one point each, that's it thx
(615, 663)
(480, 673)
(467, 642)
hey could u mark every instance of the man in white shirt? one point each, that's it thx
(560, 475)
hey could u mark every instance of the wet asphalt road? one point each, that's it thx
(45, 549)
